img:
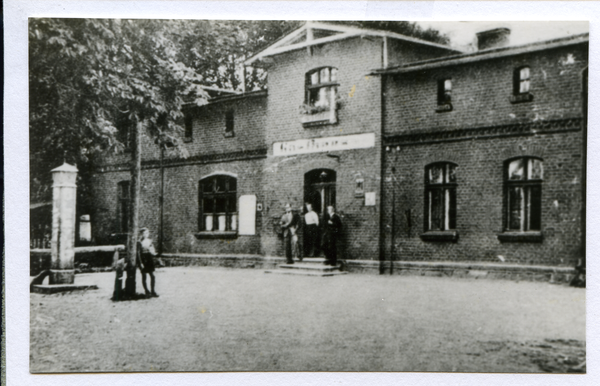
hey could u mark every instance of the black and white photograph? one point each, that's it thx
(271, 195)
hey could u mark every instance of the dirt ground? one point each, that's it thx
(217, 319)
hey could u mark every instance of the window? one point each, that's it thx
(444, 97)
(229, 123)
(123, 205)
(189, 128)
(321, 88)
(124, 124)
(444, 91)
(523, 195)
(440, 197)
(217, 200)
(521, 85)
(523, 80)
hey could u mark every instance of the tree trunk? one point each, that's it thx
(136, 166)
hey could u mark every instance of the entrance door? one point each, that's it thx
(319, 191)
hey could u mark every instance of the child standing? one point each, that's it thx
(145, 254)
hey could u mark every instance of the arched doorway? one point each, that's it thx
(319, 191)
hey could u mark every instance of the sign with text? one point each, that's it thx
(247, 215)
(318, 145)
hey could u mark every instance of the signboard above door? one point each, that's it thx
(319, 145)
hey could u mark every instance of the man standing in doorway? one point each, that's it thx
(289, 229)
(311, 219)
(333, 228)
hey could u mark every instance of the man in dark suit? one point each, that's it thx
(289, 227)
(332, 231)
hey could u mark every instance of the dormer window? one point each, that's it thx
(320, 96)
(521, 85)
(444, 95)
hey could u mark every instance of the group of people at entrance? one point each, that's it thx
(327, 233)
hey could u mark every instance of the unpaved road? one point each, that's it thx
(217, 319)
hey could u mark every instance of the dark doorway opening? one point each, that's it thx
(319, 191)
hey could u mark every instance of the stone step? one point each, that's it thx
(305, 273)
(309, 267)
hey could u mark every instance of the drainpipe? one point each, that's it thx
(382, 179)
(161, 199)
(393, 246)
(584, 167)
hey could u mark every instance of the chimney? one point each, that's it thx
(494, 38)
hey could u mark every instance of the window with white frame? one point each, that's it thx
(321, 88)
(440, 197)
(522, 80)
(523, 194)
(218, 204)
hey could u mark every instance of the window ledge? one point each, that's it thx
(187, 139)
(444, 108)
(521, 237)
(319, 119)
(217, 235)
(451, 236)
(520, 98)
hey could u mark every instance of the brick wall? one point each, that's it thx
(359, 112)
(403, 52)
(549, 127)
(181, 176)
(481, 92)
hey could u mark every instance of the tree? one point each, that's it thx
(85, 72)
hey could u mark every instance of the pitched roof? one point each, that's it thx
(487, 54)
(314, 33)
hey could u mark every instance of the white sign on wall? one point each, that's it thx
(318, 145)
(247, 215)
(370, 199)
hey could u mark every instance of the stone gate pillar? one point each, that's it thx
(64, 189)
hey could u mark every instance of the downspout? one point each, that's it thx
(584, 167)
(161, 199)
(384, 63)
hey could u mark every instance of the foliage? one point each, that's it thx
(407, 28)
(88, 78)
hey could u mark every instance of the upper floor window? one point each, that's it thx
(444, 95)
(444, 91)
(321, 88)
(523, 80)
(218, 204)
(229, 123)
(523, 194)
(521, 85)
(189, 128)
(123, 205)
(124, 132)
(440, 197)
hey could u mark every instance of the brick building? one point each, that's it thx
(429, 154)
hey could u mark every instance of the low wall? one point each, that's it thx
(461, 270)
(92, 258)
